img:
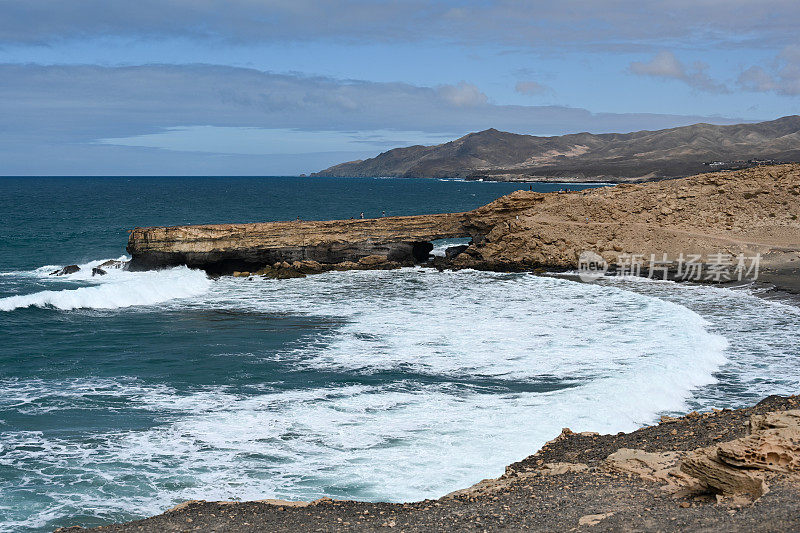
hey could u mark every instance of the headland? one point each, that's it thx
(732, 214)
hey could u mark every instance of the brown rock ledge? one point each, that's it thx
(579, 481)
(752, 211)
(222, 248)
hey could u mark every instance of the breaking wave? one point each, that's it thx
(117, 289)
(418, 383)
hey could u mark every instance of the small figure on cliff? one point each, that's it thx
(383, 213)
(362, 214)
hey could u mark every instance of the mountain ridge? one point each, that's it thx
(635, 156)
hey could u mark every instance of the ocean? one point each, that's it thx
(123, 395)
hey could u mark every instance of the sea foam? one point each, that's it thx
(450, 377)
(116, 289)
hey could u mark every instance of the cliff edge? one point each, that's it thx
(749, 212)
(752, 212)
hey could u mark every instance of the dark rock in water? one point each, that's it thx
(373, 260)
(440, 263)
(421, 251)
(69, 269)
(453, 251)
(98, 272)
(113, 263)
(309, 267)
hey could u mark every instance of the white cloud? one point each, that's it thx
(666, 65)
(462, 95)
(781, 77)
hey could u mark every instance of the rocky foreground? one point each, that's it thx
(723, 470)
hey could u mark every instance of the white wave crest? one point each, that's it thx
(115, 290)
(440, 246)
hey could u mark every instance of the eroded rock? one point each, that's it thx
(453, 251)
(652, 466)
(593, 519)
(216, 248)
(113, 263)
(704, 465)
(557, 469)
(279, 272)
(743, 465)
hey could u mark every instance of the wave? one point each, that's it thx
(117, 289)
(645, 354)
(440, 246)
(453, 360)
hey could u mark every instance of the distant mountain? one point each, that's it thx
(641, 155)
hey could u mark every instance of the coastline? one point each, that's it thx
(662, 477)
(567, 484)
(746, 214)
(783, 278)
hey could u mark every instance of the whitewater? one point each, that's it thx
(441, 379)
(125, 394)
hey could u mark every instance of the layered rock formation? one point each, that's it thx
(752, 211)
(225, 248)
(228, 247)
(747, 212)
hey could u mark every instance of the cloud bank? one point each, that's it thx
(568, 23)
(781, 77)
(63, 111)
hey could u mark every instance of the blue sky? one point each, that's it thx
(277, 87)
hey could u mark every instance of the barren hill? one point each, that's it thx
(641, 155)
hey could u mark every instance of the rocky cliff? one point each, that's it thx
(223, 248)
(642, 155)
(748, 211)
(752, 211)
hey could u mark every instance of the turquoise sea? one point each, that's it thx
(123, 395)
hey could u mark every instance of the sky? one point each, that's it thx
(262, 87)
